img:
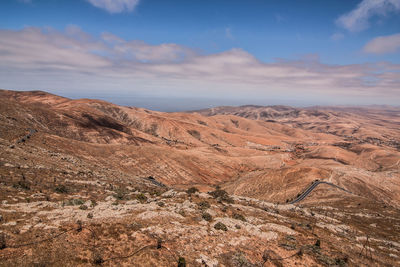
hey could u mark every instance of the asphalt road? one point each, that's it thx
(312, 187)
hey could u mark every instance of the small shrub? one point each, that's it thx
(181, 262)
(192, 190)
(97, 258)
(288, 245)
(161, 204)
(221, 195)
(83, 207)
(342, 261)
(90, 215)
(73, 202)
(93, 203)
(318, 243)
(135, 226)
(141, 197)
(182, 213)
(240, 260)
(3, 244)
(119, 194)
(202, 122)
(206, 216)
(238, 216)
(77, 201)
(204, 205)
(62, 189)
(79, 224)
(221, 226)
(23, 185)
(195, 134)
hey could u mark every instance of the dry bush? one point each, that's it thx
(220, 226)
(194, 133)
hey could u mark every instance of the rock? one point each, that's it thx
(132, 202)
(181, 194)
(169, 193)
(109, 198)
(162, 214)
(203, 195)
(278, 228)
(207, 261)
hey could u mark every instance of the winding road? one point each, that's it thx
(26, 137)
(312, 187)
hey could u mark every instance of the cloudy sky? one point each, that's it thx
(180, 54)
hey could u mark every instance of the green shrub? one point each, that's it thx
(221, 195)
(3, 244)
(141, 197)
(120, 194)
(62, 189)
(181, 262)
(22, 184)
(206, 216)
(238, 216)
(204, 205)
(77, 201)
(97, 258)
(93, 203)
(182, 213)
(221, 226)
(192, 190)
(73, 202)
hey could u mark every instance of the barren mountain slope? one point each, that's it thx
(182, 149)
(59, 156)
(371, 124)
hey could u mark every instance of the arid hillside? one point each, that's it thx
(123, 172)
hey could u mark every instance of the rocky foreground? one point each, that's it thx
(161, 227)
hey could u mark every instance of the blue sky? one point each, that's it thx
(292, 52)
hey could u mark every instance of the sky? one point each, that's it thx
(181, 55)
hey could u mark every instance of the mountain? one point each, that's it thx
(127, 166)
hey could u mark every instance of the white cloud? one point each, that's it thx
(383, 44)
(115, 6)
(73, 60)
(358, 18)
